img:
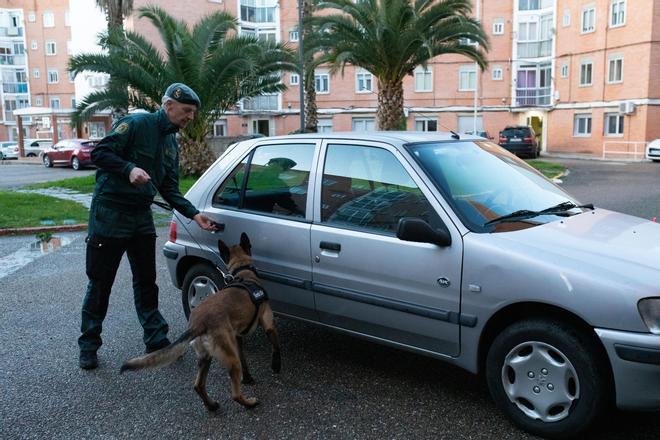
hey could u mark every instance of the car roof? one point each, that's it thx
(403, 137)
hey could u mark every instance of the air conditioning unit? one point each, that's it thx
(626, 108)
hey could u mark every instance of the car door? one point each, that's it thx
(62, 152)
(268, 195)
(364, 278)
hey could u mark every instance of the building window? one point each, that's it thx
(220, 128)
(613, 124)
(617, 13)
(363, 124)
(294, 79)
(293, 35)
(586, 71)
(73, 103)
(566, 19)
(51, 47)
(615, 69)
(529, 5)
(564, 71)
(36, 73)
(324, 125)
(423, 79)
(582, 125)
(498, 27)
(497, 74)
(256, 12)
(322, 83)
(33, 45)
(38, 101)
(49, 19)
(588, 19)
(363, 81)
(67, 18)
(32, 17)
(55, 102)
(426, 124)
(72, 77)
(53, 76)
(467, 78)
(69, 47)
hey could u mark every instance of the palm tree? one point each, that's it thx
(115, 11)
(311, 109)
(390, 38)
(221, 68)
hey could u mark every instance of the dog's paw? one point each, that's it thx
(213, 406)
(276, 362)
(248, 380)
(250, 402)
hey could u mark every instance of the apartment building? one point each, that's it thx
(578, 71)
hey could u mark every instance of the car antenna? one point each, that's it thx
(454, 135)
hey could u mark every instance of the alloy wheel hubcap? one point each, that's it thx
(540, 380)
(200, 288)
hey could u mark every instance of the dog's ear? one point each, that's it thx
(224, 251)
(245, 244)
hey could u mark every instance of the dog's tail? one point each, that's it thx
(162, 357)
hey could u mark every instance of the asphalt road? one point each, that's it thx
(14, 175)
(332, 386)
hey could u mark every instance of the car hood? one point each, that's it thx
(620, 244)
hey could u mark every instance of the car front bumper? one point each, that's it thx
(635, 360)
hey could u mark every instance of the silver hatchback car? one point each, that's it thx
(450, 247)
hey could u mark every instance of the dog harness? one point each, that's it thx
(257, 293)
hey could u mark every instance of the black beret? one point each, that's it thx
(183, 94)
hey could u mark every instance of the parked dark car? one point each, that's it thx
(520, 140)
(75, 153)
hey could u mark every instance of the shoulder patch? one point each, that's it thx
(121, 128)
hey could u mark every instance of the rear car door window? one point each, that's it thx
(275, 183)
(368, 188)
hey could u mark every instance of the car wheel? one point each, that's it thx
(47, 162)
(75, 163)
(200, 281)
(547, 377)
(30, 155)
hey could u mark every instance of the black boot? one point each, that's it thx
(88, 360)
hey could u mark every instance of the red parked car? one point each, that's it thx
(70, 152)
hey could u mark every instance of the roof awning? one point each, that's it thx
(43, 111)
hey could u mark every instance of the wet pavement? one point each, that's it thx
(19, 251)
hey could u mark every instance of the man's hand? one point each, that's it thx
(138, 176)
(205, 223)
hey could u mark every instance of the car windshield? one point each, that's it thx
(483, 182)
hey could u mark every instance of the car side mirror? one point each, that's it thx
(417, 230)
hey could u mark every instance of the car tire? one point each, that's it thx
(524, 366)
(47, 162)
(30, 155)
(201, 280)
(75, 163)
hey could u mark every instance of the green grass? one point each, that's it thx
(85, 184)
(549, 169)
(21, 210)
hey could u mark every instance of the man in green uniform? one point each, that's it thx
(139, 156)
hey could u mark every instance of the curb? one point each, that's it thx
(36, 230)
(20, 162)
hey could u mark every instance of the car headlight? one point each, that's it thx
(649, 308)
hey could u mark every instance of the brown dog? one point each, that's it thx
(216, 327)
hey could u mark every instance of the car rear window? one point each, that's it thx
(516, 132)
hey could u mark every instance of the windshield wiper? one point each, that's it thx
(523, 214)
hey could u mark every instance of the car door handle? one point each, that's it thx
(330, 246)
(220, 227)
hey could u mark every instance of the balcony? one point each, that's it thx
(12, 60)
(20, 87)
(266, 102)
(535, 49)
(532, 97)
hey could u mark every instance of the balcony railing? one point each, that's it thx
(535, 49)
(533, 97)
(266, 102)
(15, 87)
(17, 60)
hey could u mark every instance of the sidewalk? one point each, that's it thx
(22, 161)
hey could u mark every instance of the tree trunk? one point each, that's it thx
(195, 156)
(311, 109)
(389, 115)
(115, 17)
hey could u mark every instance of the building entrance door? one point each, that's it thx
(261, 126)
